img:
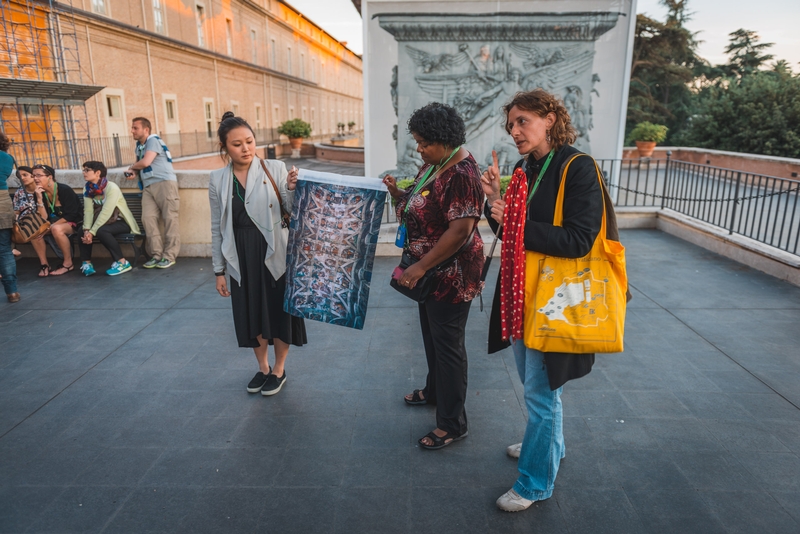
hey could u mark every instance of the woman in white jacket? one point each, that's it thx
(248, 238)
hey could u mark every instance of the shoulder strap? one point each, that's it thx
(558, 217)
(275, 187)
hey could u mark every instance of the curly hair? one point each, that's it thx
(438, 123)
(541, 102)
(5, 142)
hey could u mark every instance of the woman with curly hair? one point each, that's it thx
(541, 129)
(439, 214)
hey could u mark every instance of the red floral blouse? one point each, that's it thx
(455, 194)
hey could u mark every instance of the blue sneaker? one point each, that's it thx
(87, 268)
(119, 268)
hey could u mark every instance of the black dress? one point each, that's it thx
(258, 301)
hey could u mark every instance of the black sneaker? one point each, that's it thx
(273, 384)
(257, 383)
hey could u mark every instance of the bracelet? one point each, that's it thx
(40, 205)
(220, 274)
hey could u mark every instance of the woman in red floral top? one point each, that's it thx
(440, 212)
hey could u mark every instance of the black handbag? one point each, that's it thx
(422, 289)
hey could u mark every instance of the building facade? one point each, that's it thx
(182, 64)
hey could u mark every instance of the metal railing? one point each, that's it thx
(763, 208)
(117, 151)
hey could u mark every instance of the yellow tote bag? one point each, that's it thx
(576, 305)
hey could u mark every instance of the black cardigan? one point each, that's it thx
(583, 213)
(71, 206)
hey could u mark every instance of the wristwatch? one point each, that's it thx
(220, 273)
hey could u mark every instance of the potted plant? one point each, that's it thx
(351, 125)
(296, 130)
(647, 135)
(340, 128)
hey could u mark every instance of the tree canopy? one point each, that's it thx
(744, 105)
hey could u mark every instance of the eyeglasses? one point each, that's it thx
(86, 170)
(39, 175)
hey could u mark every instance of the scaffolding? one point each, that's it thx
(42, 93)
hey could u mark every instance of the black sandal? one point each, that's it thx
(440, 442)
(416, 399)
(44, 268)
(62, 266)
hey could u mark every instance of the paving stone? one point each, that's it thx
(749, 511)
(147, 424)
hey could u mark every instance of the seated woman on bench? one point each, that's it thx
(63, 210)
(105, 215)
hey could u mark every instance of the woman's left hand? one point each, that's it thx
(291, 180)
(411, 276)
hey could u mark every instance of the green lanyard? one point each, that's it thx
(47, 197)
(425, 181)
(540, 176)
(236, 185)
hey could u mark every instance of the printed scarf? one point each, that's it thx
(512, 257)
(92, 190)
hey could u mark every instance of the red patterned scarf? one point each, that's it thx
(512, 257)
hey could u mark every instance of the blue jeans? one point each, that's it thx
(543, 445)
(8, 267)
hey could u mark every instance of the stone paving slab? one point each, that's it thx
(123, 409)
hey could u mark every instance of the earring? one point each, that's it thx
(548, 138)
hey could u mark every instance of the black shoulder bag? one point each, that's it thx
(424, 285)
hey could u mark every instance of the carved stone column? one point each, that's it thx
(477, 62)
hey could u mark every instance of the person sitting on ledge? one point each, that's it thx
(64, 213)
(105, 215)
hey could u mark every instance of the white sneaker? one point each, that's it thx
(511, 501)
(514, 450)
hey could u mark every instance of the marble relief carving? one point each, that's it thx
(476, 63)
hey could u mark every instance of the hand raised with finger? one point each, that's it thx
(490, 180)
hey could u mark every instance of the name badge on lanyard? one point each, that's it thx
(400, 239)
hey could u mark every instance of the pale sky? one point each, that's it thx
(775, 21)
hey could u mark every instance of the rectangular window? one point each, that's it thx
(209, 109)
(276, 116)
(33, 110)
(200, 18)
(158, 16)
(170, 105)
(254, 46)
(229, 36)
(274, 63)
(289, 60)
(258, 116)
(314, 69)
(303, 66)
(99, 6)
(114, 105)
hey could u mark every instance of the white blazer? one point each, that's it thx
(263, 208)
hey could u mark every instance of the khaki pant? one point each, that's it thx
(162, 199)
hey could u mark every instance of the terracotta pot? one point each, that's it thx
(296, 142)
(645, 148)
